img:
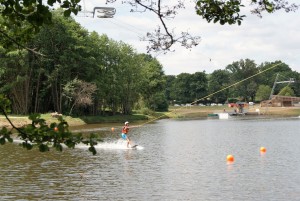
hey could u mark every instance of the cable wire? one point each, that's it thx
(275, 65)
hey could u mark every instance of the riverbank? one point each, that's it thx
(20, 121)
(174, 112)
(194, 111)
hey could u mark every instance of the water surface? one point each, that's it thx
(176, 160)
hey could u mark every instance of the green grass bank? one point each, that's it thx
(174, 112)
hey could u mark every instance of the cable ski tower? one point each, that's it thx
(100, 12)
(292, 80)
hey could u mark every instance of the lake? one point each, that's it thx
(175, 160)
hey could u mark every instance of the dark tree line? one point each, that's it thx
(82, 73)
(88, 74)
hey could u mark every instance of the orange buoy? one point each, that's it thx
(55, 129)
(230, 158)
(263, 149)
(112, 129)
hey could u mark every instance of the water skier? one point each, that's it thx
(125, 131)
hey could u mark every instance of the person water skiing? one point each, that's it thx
(125, 131)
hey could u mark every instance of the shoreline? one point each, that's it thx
(174, 112)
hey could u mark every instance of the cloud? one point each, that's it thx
(273, 37)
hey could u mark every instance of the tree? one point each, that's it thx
(129, 74)
(169, 83)
(16, 79)
(79, 93)
(251, 90)
(20, 19)
(181, 88)
(153, 84)
(268, 77)
(296, 85)
(198, 86)
(228, 11)
(158, 102)
(263, 93)
(66, 60)
(286, 91)
(241, 71)
(188, 88)
(64, 47)
(218, 80)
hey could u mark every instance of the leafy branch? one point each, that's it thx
(19, 44)
(221, 11)
(39, 134)
(162, 39)
(37, 13)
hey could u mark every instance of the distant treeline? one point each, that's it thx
(242, 80)
(82, 73)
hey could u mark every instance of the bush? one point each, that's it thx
(147, 111)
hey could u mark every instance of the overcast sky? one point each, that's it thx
(274, 37)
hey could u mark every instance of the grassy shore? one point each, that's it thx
(196, 111)
(174, 112)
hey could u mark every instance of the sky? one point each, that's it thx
(270, 38)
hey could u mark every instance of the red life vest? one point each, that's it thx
(125, 129)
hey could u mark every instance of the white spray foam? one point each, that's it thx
(118, 144)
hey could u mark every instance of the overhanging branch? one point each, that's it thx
(19, 44)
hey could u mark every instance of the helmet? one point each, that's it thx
(126, 122)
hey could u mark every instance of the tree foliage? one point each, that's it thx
(20, 19)
(188, 88)
(242, 80)
(263, 93)
(83, 73)
(286, 91)
(217, 81)
(35, 12)
(229, 11)
(40, 134)
(153, 84)
(241, 71)
(220, 11)
(79, 93)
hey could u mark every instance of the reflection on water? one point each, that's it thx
(176, 160)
